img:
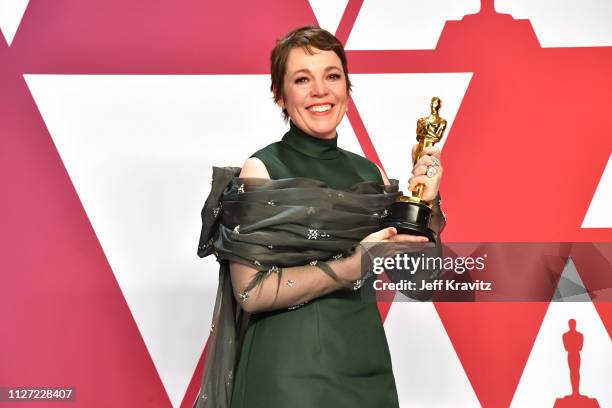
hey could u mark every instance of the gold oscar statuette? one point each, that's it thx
(411, 214)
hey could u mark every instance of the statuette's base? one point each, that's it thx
(410, 217)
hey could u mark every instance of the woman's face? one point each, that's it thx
(315, 93)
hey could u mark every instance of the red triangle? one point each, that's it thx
(493, 342)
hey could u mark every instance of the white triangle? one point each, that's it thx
(11, 12)
(599, 214)
(565, 23)
(405, 25)
(347, 139)
(328, 13)
(390, 104)
(427, 371)
(546, 374)
(139, 151)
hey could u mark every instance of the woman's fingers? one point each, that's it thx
(406, 238)
(381, 236)
(419, 169)
(387, 243)
(390, 235)
(387, 233)
(431, 184)
(429, 151)
(416, 180)
(429, 160)
(432, 151)
(424, 162)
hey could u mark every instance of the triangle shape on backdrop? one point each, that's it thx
(546, 374)
(405, 25)
(568, 24)
(493, 339)
(599, 214)
(390, 125)
(139, 150)
(11, 13)
(328, 13)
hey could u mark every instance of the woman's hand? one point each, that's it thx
(390, 235)
(429, 157)
(395, 244)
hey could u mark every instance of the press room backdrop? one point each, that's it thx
(112, 113)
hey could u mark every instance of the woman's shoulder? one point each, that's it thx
(258, 163)
(254, 167)
(270, 150)
(270, 158)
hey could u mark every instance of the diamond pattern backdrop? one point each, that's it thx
(113, 112)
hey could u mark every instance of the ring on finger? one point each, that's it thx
(435, 160)
(431, 171)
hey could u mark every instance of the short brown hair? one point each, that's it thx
(307, 37)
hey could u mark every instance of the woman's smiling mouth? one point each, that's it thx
(320, 108)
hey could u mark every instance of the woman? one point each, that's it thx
(287, 235)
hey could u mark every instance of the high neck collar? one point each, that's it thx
(310, 145)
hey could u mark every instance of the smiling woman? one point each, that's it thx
(286, 231)
(314, 93)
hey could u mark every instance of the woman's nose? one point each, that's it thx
(319, 87)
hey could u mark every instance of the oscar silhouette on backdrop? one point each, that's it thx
(572, 341)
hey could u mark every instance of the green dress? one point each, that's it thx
(331, 352)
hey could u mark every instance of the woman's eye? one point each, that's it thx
(301, 80)
(334, 76)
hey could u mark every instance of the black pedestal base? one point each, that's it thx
(410, 218)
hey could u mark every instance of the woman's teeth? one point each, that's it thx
(320, 108)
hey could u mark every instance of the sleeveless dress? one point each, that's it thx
(331, 352)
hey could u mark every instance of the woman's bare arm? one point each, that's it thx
(254, 167)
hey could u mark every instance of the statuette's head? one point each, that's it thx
(436, 104)
(310, 80)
